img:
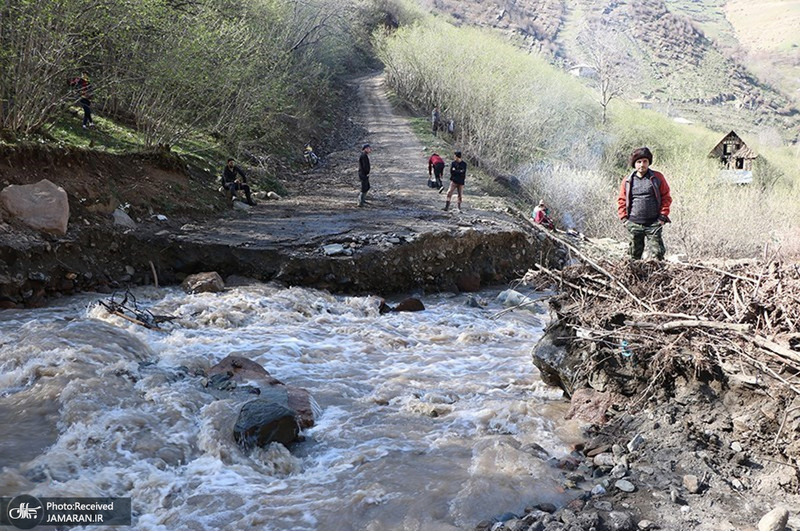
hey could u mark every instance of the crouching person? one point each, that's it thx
(233, 180)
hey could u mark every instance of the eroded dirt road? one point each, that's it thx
(321, 208)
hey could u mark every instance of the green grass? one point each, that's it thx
(202, 151)
(437, 143)
(198, 149)
(106, 135)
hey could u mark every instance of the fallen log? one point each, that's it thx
(678, 325)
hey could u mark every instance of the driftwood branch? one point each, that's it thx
(619, 285)
(679, 325)
(773, 347)
(560, 279)
(155, 275)
(722, 272)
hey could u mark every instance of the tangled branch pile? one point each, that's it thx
(668, 319)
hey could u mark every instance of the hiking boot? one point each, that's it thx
(441, 189)
(446, 206)
(459, 210)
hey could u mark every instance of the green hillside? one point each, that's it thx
(690, 59)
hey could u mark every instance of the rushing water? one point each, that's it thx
(427, 420)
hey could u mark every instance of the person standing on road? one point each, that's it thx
(458, 175)
(436, 119)
(436, 170)
(232, 183)
(643, 205)
(363, 173)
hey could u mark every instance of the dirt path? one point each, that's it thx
(322, 208)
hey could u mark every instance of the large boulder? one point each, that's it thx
(262, 421)
(43, 206)
(122, 219)
(557, 367)
(209, 282)
(469, 282)
(242, 370)
(235, 371)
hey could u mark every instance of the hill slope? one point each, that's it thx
(692, 58)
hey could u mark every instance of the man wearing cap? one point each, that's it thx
(643, 205)
(363, 173)
(458, 175)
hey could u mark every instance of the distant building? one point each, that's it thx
(643, 103)
(583, 71)
(736, 159)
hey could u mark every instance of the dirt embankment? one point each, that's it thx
(689, 378)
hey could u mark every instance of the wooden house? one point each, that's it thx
(733, 153)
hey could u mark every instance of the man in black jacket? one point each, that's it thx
(363, 173)
(232, 183)
(458, 175)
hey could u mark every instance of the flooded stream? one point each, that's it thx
(427, 420)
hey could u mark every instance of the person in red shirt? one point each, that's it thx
(541, 216)
(435, 170)
(85, 97)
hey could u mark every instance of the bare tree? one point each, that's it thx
(608, 53)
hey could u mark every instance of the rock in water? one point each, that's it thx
(262, 422)
(410, 305)
(209, 282)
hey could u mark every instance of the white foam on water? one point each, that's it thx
(423, 419)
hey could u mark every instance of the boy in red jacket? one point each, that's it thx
(643, 205)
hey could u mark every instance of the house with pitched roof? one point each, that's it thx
(735, 158)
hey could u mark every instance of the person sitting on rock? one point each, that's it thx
(541, 216)
(233, 183)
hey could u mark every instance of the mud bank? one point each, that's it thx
(688, 388)
(36, 267)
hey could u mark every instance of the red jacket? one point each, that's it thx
(434, 160)
(659, 185)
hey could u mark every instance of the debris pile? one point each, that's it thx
(670, 318)
(701, 361)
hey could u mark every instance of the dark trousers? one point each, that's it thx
(86, 105)
(234, 186)
(364, 183)
(438, 171)
(652, 233)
